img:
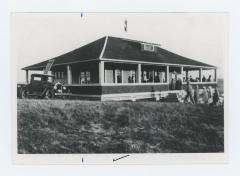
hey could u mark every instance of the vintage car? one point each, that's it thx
(42, 86)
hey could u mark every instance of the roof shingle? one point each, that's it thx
(119, 49)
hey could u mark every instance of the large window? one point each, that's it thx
(120, 73)
(153, 74)
(84, 77)
(160, 76)
(59, 75)
(118, 76)
(128, 74)
(109, 76)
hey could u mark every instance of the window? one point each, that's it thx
(84, 77)
(59, 75)
(109, 78)
(153, 74)
(148, 47)
(88, 77)
(119, 76)
(160, 76)
(147, 76)
(37, 78)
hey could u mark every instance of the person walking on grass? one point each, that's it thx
(215, 97)
(205, 95)
(189, 93)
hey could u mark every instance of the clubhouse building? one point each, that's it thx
(112, 68)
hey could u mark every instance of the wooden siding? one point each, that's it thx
(133, 88)
(85, 90)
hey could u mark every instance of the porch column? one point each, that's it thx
(115, 75)
(101, 72)
(215, 74)
(181, 73)
(167, 74)
(139, 73)
(122, 76)
(187, 75)
(200, 75)
(153, 75)
(181, 70)
(27, 81)
(69, 74)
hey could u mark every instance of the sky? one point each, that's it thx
(36, 37)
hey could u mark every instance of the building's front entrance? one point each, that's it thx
(175, 78)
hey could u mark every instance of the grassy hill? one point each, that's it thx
(71, 126)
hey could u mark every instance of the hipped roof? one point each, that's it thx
(118, 49)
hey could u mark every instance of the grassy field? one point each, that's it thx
(71, 126)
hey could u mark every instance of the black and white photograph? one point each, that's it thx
(119, 83)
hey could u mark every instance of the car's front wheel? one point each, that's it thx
(24, 94)
(49, 94)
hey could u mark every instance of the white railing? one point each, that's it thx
(133, 84)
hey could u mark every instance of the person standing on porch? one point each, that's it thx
(209, 78)
(189, 93)
(204, 79)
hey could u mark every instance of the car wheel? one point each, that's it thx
(24, 94)
(49, 94)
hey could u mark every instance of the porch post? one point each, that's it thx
(167, 74)
(200, 75)
(215, 74)
(27, 81)
(139, 73)
(101, 72)
(69, 74)
(115, 75)
(187, 75)
(181, 71)
(122, 76)
(153, 76)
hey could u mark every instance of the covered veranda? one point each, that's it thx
(112, 73)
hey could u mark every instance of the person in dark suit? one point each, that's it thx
(204, 79)
(189, 93)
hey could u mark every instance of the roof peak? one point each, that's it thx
(134, 40)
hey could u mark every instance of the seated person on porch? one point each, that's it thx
(209, 78)
(204, 79)
(191, 79)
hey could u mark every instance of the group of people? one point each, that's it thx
(208, 95)
(176, 83)
(204, 79)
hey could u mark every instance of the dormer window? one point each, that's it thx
(148, 47)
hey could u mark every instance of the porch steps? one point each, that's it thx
(173, 97)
